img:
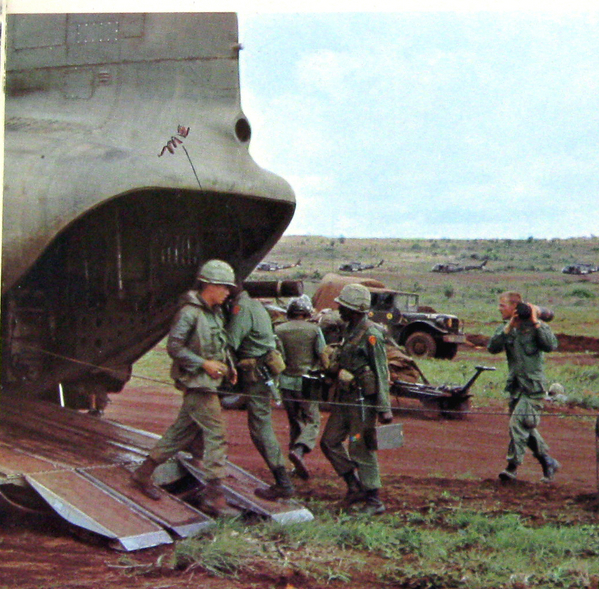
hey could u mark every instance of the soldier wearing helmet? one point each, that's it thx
(197, 344)
(362, 393)
(302, 343)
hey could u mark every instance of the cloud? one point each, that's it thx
(439, 124)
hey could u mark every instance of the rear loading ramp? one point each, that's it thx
(80, 466)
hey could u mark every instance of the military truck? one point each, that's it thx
(422, 331)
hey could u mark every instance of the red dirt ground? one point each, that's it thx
(439, 459)
(567, 343)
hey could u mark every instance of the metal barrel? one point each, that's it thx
(274, 288)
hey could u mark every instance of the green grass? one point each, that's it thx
(580, 381)
(533, 267)
(451, 547)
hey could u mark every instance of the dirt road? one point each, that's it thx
(460, 458)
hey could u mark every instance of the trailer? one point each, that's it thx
(445, 400)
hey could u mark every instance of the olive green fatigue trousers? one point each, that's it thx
(260, 425)
(200, 417)
(345, 421)
(525, 416)
(304, 419)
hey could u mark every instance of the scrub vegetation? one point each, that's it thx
(446, 545)
(530, 266)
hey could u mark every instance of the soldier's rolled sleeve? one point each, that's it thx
(496, 342)
(546, 340)
(176, 345)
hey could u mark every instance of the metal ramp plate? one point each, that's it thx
(80, 502)
(170, 513)
(14, 462)
(239, 488)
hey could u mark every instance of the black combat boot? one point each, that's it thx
(550, 467)
(372, 504)
(282, 489)
(355, 492)
(509, 473)
(213, 502)
(141, 478)
(296, 455)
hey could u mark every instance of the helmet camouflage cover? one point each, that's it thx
(300, 306)
(355, 297)
(217, 272)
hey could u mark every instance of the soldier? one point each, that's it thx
(197, 343)
(524, 340)
(302, 344)
(362, 393)
(251, 335)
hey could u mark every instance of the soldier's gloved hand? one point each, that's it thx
(385, 417)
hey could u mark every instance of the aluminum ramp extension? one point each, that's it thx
(239, 485)
(81, 503)
(103, 501)
(171, 513)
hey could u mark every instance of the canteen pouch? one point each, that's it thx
(274, 362)
(248, 367)
(330, 358)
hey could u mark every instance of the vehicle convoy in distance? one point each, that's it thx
(423, 333)
(359, 266)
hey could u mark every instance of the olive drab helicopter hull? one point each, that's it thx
(127, 165)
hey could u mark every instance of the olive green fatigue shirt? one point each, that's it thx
(524, 346)
(250, 329)
(302, 344)
(362, 351)
(197, 334)
(251, 335)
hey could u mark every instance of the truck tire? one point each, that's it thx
(233, 401)
(421, 345)
(447, 351)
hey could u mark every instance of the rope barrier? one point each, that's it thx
(333, 403)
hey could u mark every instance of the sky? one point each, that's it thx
(442, 119)
(439, 124)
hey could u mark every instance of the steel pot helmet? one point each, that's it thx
(300, 306)
(355, 297)
(217, 272)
